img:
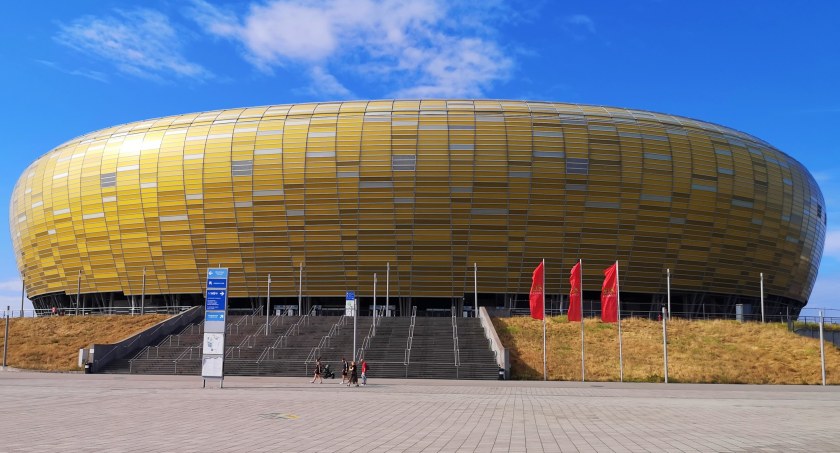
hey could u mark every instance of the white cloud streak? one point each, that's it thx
(10, 285)
(140, 43)
(579, 26)
(416, 48)
(832, 244)
(93, 75)
(10, 297)
(826, 294)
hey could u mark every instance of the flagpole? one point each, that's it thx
(618, 300)
(582, 347)
(388, 290)
(669, 294)
(545, 364)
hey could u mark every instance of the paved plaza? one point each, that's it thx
(45, 412)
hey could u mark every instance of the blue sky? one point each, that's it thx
(768, 68)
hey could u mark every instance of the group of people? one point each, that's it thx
(349, 372)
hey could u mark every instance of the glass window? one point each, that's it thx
(576, 165)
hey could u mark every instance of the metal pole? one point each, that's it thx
(143, 294)
(79, 292)
(300, 291)
(665, 344)
(618, 303)
(475, 287)
(388, 290)
(355, 308)
(669, 294)
(582, 318)
(762, 296)
(545, 364)
(6, 339)
(22, 295)
(374, 304)
(822, 348)
(267, 304)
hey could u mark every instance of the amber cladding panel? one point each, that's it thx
(429, 186)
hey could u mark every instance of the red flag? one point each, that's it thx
(609, 296)
(537, 293)
(574, 294)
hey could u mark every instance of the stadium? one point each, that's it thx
(441, 199)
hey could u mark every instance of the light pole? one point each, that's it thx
(475, 287)
(374, 303)
(669, 294)
(78, 292)
(22, 294)
(267, 304)
(300, 291)
(143, 294)
(762, 296)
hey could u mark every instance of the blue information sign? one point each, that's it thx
(350, 295)
(219, 283)
(215, 299)
(217, 273)
(214, 316)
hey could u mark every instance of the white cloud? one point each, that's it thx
(832, 244)
(140, 43)
(325, 84)
(10, 285)
(93, 75)
(826, 294)
(579, 25)
(415, 48)
(10, 297)
(822, 177)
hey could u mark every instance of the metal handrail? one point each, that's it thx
(410, 338)
(249, 342)
(455, 347)
(336, 328)
(313, 353)
(183, 354)
(294, 329)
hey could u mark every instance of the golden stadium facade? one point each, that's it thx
(341, 189)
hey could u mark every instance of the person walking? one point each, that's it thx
(364, 372)
(318, 371)
(344, 370)
(354, 377)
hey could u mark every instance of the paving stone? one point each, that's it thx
(44, 412)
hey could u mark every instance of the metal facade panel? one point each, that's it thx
(501, 183)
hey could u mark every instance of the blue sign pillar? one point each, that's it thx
(215, 318)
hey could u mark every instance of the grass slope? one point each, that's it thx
(698, 351)
(53, 343)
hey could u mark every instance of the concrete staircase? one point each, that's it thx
(404, 347)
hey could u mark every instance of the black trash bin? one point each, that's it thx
(87, 368)
(501, 374)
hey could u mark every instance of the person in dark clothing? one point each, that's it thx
(344, 371)
(318, 370)
(354, 377)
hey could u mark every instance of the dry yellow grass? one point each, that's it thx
(698, 351)
(53, 343)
